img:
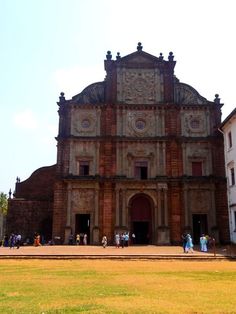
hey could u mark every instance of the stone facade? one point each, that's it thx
(140, 152)
(31, 208)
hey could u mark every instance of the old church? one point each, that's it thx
(138, 152)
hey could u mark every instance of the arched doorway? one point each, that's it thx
(140, 214)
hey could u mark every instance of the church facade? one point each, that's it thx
(139, 152)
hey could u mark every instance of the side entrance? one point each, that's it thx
(140, 219)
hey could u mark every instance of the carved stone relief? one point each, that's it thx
(84, 122)
(139, 86)
(194, 124)
(199, 201)
(83, 200)
(186, 94)
(140, 123)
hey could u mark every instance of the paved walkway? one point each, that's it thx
(98, 252)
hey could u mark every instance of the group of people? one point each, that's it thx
(121, 239)
(78, 239)
(14, 240)
(205, 242)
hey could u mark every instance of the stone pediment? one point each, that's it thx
(92, 94)
(140, 57)
(186, 95)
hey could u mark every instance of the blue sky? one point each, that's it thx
(49, 46)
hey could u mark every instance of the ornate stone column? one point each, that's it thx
(124, 209)
(68, 228)
(117, 220)
(96, 217)
(214, 228)
(186, 211)
(163, 232)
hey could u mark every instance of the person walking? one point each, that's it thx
(18, 241)
(117, 240)
(126, 238)
(122, 240)
(12, 241)
(189, 244)
(104, 241)
(184, 241)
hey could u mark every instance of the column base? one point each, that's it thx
(163, 235)
(96, 233)
(67, 234)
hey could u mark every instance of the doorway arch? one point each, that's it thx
(141, 218)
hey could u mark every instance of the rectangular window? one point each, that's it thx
(230, 139)
(196, 168)
(232, 176)
(141, 170)
(83, 168)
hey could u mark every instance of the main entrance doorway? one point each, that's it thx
(82, 225)
(140, 219)
(199, 226)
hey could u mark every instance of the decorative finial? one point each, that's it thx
(62, 98)
(109, 56)
(139, 47)
(10, 193)
(217, 99)
(161, 57)
(17, 180)
(171, 56)
(118, 56)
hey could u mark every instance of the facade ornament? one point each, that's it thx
(118, 56)
(62, 98)
(139, 47)
(171, 56)
(217, 99)
(109, 55)
(161, 57)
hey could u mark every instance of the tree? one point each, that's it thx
(3, 203)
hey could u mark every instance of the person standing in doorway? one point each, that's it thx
(203, 243)
(85, 240)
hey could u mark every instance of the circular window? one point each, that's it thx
(195, 123)
(85, 124)
(140, 124)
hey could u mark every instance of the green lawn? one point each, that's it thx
(105, 286)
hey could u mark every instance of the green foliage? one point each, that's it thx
(3, 203)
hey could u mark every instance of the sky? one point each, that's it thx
(50, 46)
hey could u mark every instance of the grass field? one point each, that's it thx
(105, 286)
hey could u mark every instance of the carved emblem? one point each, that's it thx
(83, 200)
(139, 86)
(139, 123)
(194, 123)
(83, 122)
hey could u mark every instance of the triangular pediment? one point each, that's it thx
(140, 57)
